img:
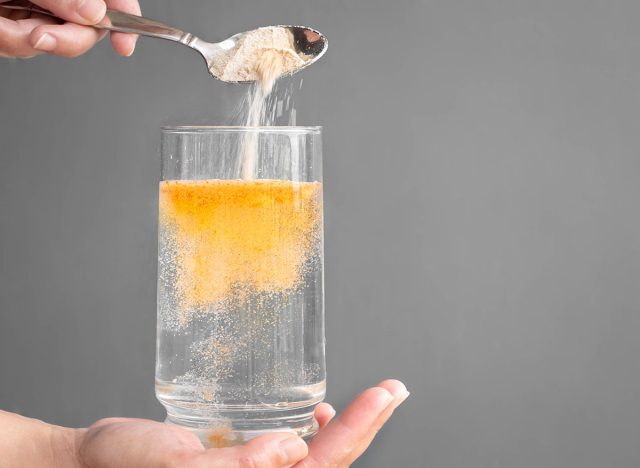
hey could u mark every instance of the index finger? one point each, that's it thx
(400, 393)
(340, 437)
(344, 439)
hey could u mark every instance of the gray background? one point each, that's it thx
(482, 175)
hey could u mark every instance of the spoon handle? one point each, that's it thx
(116, 21)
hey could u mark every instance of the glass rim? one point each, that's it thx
(289, 129)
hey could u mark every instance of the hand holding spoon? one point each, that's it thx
(308, 43)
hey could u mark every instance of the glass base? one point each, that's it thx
(227, 432)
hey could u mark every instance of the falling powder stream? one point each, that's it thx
(270, 65)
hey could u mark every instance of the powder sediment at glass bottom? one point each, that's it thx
(233, 238)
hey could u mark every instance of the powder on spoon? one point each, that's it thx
(272, 47)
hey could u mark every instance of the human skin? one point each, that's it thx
(24, 34)
(140, 443)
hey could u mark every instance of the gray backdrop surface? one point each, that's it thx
(482, 176)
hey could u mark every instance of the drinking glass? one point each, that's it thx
(240, 337)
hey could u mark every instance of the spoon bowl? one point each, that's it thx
(308, 44)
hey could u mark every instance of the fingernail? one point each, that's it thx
(386, 399)
(92, 10)
(46, 43)
(404, 396)
(133, 48)
(293, 449)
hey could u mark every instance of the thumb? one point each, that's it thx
(77, 11)
(268, 451)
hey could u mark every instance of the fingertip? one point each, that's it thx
(293, 449)
(65, 40)
(36, 36)
(92, 11)
(124, 44)
(42, 41)
(368, 405)
(134, 43)
(395, 388)
(378, 397)
(324, 413)
(326, 408)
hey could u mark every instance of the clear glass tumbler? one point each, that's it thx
(240, 343)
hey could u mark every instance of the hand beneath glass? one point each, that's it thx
(122, 443)
(24, 34)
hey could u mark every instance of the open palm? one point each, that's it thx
(139, 443)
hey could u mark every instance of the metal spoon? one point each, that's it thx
(309, 44)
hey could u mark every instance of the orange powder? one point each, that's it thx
(219, 438)
(239, 236)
